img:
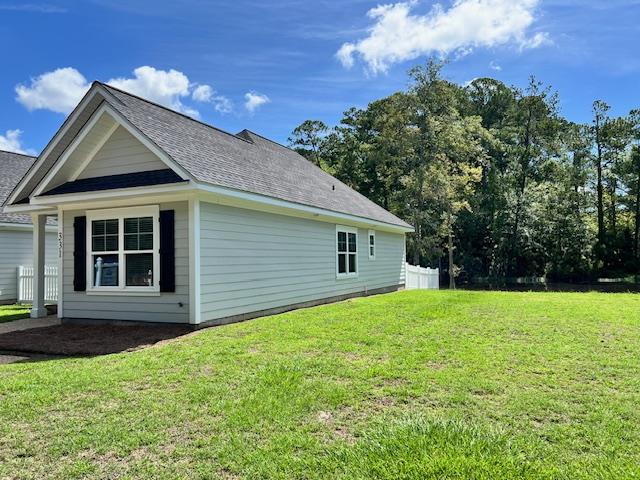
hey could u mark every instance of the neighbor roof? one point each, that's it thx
(13, 166)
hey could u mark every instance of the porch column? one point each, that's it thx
(37, 309)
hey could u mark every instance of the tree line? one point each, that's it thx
(497, 183)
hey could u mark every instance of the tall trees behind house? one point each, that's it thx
(496, 182)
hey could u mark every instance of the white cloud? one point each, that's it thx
(159, 86)
(11, 142)
(494, 66)
(254, 99)
(58, 91)
(398, 34)
(62, 89)
(538, 40)
(202, 93)
(206, 94)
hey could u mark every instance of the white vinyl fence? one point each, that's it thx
(421, 278)
(25, 284)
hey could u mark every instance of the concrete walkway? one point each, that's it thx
(27, 323)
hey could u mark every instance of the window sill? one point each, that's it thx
(346, 276)
(126, 293)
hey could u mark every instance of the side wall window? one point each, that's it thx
(372, 245)
(346, 252)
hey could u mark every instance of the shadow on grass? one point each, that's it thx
(9, 313)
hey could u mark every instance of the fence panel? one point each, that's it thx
(25, 284)
(421, 278)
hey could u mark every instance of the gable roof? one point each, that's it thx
(13, 166)
(245, 162)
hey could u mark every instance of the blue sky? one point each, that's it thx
(269, 65)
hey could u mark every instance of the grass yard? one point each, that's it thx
(9, 313)
(407, 385)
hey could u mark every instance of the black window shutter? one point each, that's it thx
(167, 251)
(80, 254)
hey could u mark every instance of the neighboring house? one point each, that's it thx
(16, 243)
(166, 219)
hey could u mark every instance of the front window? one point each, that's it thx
(124, 245)
(346, 252)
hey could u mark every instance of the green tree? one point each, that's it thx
(307, 139)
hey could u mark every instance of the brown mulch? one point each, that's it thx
(88, 339)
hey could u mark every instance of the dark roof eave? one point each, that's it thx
(116, 182)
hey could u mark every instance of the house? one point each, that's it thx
(16, 245)
(163, 218)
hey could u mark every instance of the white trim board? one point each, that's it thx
(60, 263)
(120, 214)
(71, 119)
(84, 131)
(255, 201)
(222, 195)
(195, 301)
(119, 120)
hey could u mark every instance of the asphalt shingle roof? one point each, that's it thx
(13, 166)
(246, 162)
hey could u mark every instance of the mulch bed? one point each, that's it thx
(88, 339)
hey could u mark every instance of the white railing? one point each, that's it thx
(25, 284)
(421, 278)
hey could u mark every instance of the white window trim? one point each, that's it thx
(343, 228)
(372, 233)
(120, 214)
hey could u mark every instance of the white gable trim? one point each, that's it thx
(72, 147)
(65, 127)
(119, 120)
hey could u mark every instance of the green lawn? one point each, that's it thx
(407, 385)
(9, 313)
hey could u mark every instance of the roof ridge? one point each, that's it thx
(16, 153)
(270, 140)
(171, 110)
(317, 167)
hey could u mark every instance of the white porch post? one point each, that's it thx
(38, 309)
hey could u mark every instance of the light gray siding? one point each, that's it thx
(122, 153)
(252, 261)
(16, 248)
(163, 308)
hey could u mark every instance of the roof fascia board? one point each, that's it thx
(26, 208)
(120, 120)
(151, 199)
(52, 143)
(86, 129)
(210, 193)
(256, 201)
